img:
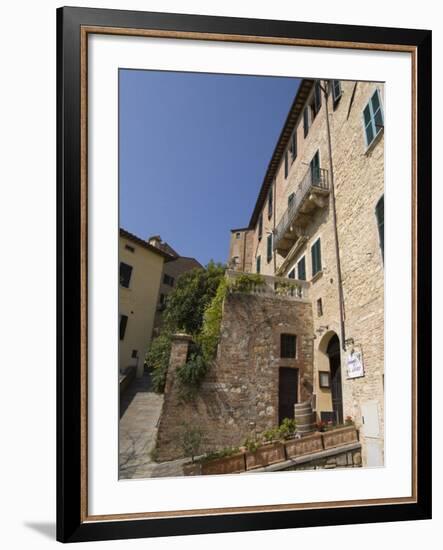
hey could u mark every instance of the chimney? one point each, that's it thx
(155, 240)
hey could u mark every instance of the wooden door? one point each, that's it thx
(287, 392)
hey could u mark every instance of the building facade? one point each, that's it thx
(174, 266)
(140, 272)
(319, 219)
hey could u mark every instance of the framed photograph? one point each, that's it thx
(242, 345)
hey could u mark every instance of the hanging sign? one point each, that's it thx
(355, 364)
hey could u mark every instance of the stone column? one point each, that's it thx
(179, 353)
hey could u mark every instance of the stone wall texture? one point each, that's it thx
(239, 396)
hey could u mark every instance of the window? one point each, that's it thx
(237, 235)
(123, 323)
(291, 274)
(134, 354)
(286, 165)
(301, 269)
(125, 274)
(316, 257)
(258, 264)
(168, 280)
(270, 202)
(305, 122)
(336, 92)
(260, 227)
(319, 307)
(315, 168)
(372, 118)
(291, 199)
(316, 100)
(293, 145)
(269, 248)
(130, 248)
(324, 379)
(380, 215)
(162, 299)
(287, 346)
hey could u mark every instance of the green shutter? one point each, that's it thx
(316, 257)
(269, 248)
(301, 269)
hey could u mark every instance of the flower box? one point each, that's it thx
(305, 445)
(233, 464)
(340, 436)
(265, 455)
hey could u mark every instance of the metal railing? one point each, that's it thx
(293, 289)
(309, 183)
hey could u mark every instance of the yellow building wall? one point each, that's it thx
(138, 302)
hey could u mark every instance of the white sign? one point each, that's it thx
(355, 365)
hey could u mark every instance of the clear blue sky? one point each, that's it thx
(194, 149)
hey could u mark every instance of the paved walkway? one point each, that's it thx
(140, 411)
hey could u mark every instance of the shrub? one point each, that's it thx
(157, 358)
(190, 375)
(210, 332)
(247, 282)
(192, 438)
(287, 428)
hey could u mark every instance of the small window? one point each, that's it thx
(286, 165)
(260, 227)
(373, 118)
(130, 248)
(235, 260)
(380, 215)
(237, 235)
(168, 280)
(162, 299)
(319, 307)
(123, 323)
(287, 346)
(315, 169)
(305, 122)
(293, 145)
(258, 264)
(336, 92)
(316, 100)
(301, 269)
(291, 199)
(134, 354)
(125, 274)
(270, 202)
(269, 248)
(291, 274)
(316, 257)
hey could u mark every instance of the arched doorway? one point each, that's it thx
(333, 352)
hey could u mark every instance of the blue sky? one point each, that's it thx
(194, 149)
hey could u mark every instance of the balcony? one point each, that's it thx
(311, 194)
(292, 289)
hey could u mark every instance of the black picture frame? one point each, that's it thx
(72, 526)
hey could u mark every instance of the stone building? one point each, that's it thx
(174, 266)
(319, 218)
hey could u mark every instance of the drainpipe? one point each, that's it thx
(325, 90)
(274, 204)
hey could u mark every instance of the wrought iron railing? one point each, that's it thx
(310, 182)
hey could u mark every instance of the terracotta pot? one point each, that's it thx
(266, 455)
(233, 464)
(340, 436)
(305, 445)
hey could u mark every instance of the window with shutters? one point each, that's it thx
(291, 274)
(269, 248)
(270, 202)
(286, 165)
(291, 199)
(125, 274)
(380, 215)
(301, 269)
(336, 92)
(315, 168)
(316, 257)
(305, 122)
(258, 264)
(373, 118)
(293, 145)
(316, 100)
(122, 328)
(260, 227)
(168, 280)
(288, 346)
